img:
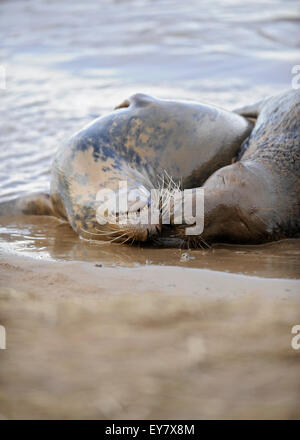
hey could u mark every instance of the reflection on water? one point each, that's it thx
(68, 62)
(45, 237)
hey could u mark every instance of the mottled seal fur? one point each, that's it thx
(138, 142)
(257, 199)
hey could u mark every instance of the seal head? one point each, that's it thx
(257, 199)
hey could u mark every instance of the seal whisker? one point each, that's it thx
(89, 232)
(125, 241)
(117, 231)
(205, 242)
(116, 238)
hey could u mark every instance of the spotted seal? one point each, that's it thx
(142, 139)
(257, 199)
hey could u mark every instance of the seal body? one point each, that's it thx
(257, 199)
(138, 142)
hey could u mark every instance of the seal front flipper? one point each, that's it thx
(251, 111)
(31, 204)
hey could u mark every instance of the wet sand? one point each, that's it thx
(86, 340)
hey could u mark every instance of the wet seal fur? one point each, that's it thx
(140, 141)
(257, 199)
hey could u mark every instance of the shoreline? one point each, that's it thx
(19, 272)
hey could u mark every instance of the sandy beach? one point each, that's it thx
(85, 341)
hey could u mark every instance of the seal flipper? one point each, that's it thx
(139, 99)
(250, 111)
(31, 204)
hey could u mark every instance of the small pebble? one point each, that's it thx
(186, 257)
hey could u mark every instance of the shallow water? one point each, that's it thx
(69, 62)
(47, 238)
